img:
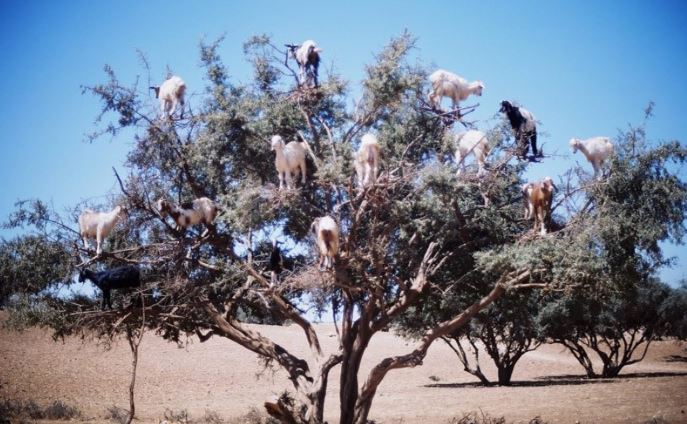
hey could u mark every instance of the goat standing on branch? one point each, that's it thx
(171, 93)
(474, 142)
(307, 56)
(595, 149)
(98, 225)
(123, 277)
(366, 160)
(290, 159)
(200, 211)
(448, 84)
(524, 128)
(538, 197)
(327, 236)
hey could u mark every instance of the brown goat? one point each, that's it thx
(538, 198)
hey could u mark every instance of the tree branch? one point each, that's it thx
(289, 311)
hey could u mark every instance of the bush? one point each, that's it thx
(22, 410)
(115, 413)
(254, 416)
(484, 418)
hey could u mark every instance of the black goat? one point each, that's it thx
(524, 127)
(117, 278)
(276, 262)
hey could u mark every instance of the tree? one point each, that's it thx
(505, 330)
(405, 240)
(641, 204)
(617, 328)
(673, 310)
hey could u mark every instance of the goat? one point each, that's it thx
(327, 236)
(524, 127)
(307, 56)
(201, 210)
(595, 149)
(290, 159)
(98, 225)
(475, 142)
(276, 262)
(526, 193)
(366, 160)
(171, 93)
(123, 277)
(448, 84)
(538, 202)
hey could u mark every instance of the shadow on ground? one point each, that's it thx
(560, 380)
(676, 358)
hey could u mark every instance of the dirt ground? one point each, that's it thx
(222, 377)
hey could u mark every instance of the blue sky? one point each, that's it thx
(583, 68)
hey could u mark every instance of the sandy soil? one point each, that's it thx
(222, 377)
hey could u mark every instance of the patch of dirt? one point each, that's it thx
(222, 377)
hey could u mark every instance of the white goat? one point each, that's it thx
(201, 210)
(366, 160)
(448, 84)
(327, 235)
(538, 197)
(171, 93)
(475, 142)
(526, 194)
(307, 56)
(595, 149)
(98, 225)
(290, 159)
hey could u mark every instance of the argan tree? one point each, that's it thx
(641, 203)
(615, 327)
(503, 332)
(404, 240)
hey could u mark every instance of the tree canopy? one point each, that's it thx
(420, 241)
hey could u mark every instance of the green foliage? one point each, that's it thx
(31, 264)
(673, 310)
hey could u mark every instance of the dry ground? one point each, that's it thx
(222, 377)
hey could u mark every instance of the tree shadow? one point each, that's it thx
(558, 380)
(532, 383)
(676, 358)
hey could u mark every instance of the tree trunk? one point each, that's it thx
(581, 355)
(134, 343)
(349, 380)
(349, 393)
(505, 374)
(463, 358)
(611, 370)
(132, 405)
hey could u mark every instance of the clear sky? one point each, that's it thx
(584, 68)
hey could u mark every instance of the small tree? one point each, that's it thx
(505, 330)
(673, 310)
(617, 328)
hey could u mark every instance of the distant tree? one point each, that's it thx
(34, 263)
(417, 234)
(506, 332)
(618, 328)
(674, 311)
